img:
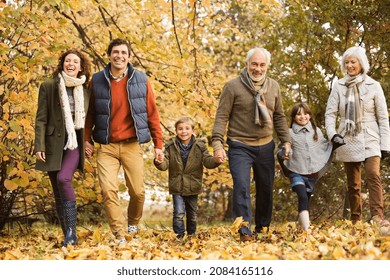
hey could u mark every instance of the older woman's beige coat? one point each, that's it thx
(50, 130)
(375, 134)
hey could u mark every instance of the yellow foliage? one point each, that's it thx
(10, 185)
(25, 123)
(210, 243)
(96, 236)
(99, 198)
(12, 135)
(339, 253)
(237, 224)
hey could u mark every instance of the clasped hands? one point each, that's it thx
(220, 156)
(338, 139)
(286, 151)
(89, 149)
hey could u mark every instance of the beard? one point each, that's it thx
(256, 79)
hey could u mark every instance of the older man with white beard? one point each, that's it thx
(251, 107)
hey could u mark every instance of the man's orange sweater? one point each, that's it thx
(121, 121)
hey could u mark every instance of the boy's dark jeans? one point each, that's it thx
(184, 205)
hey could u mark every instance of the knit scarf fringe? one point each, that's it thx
(79, 118)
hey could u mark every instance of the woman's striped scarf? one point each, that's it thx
(353, 106)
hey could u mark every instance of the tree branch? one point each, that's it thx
(174, 27)
(83, 35)
(195, 51)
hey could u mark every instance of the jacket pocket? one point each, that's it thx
(373, 133)
(175, 184)
(50, 130)
(196, 185)
(49, 139)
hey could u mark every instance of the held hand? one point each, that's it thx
(287, 150)
(338, 139)
(219, 156)
(41, 156)
(159, 159)
(159, 156)
(89, 149)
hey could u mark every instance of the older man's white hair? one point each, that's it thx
(266, 53)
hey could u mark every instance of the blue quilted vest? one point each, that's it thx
(136, 91)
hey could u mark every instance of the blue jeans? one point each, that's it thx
(184, 205)
(242, 159)
(308, 182)
(304, 187)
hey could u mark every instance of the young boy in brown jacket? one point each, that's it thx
(184, 157)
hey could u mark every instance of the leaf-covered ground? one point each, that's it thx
(327, 241)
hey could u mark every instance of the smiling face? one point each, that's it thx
(302, 117)
(72, 65)
(184, 131)
(119, 57)
(353, 66)
(257, 66)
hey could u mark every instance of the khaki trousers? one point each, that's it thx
(110, 158)
(374, 185)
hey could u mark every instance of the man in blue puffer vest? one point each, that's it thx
(122, 115)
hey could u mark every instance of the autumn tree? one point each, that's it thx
(27, 51)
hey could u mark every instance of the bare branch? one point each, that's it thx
(197, 69)
(174, 27)
(83, 35)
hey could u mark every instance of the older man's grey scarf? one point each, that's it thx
(79, 114)
(262, 116)
(353, 106)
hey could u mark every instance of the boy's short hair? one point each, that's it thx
(185, 120)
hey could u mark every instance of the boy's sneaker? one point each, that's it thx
(132, 229)
(122, 243)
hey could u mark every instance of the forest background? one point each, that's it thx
(188, 49)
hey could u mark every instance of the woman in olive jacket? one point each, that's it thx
(59, 133)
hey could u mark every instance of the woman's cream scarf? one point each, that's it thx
(79, 114)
